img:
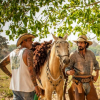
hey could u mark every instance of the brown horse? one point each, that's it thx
(51, 76)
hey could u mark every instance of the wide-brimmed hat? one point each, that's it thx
(23, 37)
(83, 38)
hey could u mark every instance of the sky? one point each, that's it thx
(49, 36)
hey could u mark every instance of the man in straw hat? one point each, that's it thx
(23, 77)
(82, 62)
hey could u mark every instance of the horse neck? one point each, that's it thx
(54, 63)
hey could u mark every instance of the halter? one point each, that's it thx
(55, 82)
(60, 56)
(57, 51)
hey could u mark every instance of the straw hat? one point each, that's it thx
(23, 37)
(83, 38)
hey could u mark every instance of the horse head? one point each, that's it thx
(62, 50)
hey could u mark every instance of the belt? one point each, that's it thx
(82, 80)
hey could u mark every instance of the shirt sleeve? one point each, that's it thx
(71, 64)
(96, 64)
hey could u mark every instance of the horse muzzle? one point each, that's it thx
(66, 61)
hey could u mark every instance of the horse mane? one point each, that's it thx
(40, 54)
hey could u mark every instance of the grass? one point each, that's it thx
(4, 85)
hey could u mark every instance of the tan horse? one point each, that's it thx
(51, 73)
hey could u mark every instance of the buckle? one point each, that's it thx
(76, 81)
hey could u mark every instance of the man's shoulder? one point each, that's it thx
(13, 51)
(72, 54)
(26, 51)
(89, 51)
(21, 50)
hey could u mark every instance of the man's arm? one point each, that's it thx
(3, 64)
(96, 66)
(96, 76)
(70, 70)
(32, 70)
(30, 67)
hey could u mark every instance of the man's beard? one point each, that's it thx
(80, 48)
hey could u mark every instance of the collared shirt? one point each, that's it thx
(85, 64)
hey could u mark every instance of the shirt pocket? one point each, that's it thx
(79, 65)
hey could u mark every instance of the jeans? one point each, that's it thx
(18, 95)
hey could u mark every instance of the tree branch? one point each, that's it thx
(86, 5)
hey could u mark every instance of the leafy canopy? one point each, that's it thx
(40, 17)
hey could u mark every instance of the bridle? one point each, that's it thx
(55, 82)
(61, 56)
(56, 48)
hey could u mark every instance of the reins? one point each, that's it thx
(52, 80)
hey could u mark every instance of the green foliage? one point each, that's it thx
(3, 42)
(8, 93)
(40, 16)
(8, 50)
(3, 47)
(73, 48)
(11, 47)
(95, 49)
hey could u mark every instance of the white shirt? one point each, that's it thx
(21, 80)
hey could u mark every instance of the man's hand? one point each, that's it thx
(37, 91)
(95, 78)
(71, 72)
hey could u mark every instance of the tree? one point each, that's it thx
(98, 50)
(94, 43)
(39, 17)
(3, 43)
(3, 47)
(11, 47)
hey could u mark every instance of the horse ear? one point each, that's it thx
(55, 38)
(65, 37)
